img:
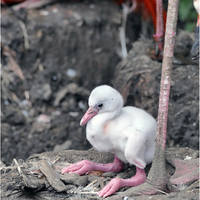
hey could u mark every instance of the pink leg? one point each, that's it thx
(117, 183)
(158, 37)
(85, 166)
(32, 4)
(159, 19)
(25, 4)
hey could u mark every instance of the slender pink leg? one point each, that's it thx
(117, 183)
(159, 19)
(25, 4)
(85, 166)
(32, 4)
(158, 37)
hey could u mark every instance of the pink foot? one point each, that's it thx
(82, 167)
(117, 183)
(186, 171)
(85, 166)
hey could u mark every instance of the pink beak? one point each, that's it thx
(91, 112)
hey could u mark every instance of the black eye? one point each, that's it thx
(100, 105)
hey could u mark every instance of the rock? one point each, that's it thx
(52, 177)
(69, 89)
(42, 92)
(13, 116)
(74, 179)
(109, 174)
(63, 146)
(39, 127)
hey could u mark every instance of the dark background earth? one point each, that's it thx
(73, 47)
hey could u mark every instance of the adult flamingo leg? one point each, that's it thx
(158, 37)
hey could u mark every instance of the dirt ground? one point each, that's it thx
(52, 57)
(40, 177)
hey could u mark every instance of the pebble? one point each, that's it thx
(43, 119)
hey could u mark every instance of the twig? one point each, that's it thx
(143, 71)
(27, 95)
(84, 190)
(18, 167)
(137, 72)
(91, 183)
(95, 193)
(56, 160)
(126, 9)
(26, 181)
(12, 193)
(9, 167)
(77, 191)
(122, 30)
(12, 64)
(25, 34)
(81, 192)
(123, 42)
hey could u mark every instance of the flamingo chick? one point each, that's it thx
(127, 132)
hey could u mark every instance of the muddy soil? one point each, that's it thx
(40, 177)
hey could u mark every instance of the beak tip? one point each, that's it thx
(81, 123)
(91, 112)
